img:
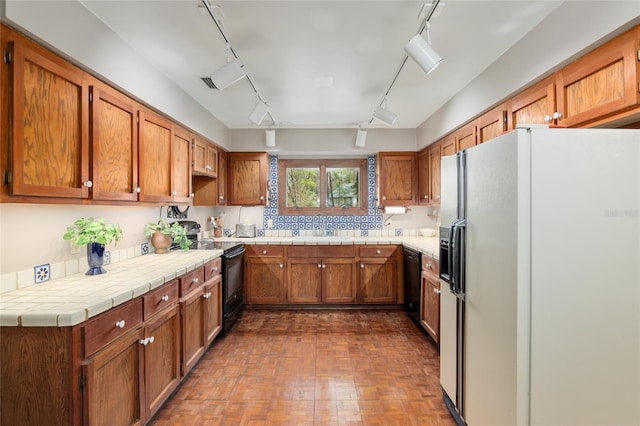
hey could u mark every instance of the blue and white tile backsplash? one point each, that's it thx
(296, 223)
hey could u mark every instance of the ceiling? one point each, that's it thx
(320, 64)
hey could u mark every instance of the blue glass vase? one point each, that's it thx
(95, 258)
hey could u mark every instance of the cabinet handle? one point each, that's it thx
(195, 280)
(120, 324)
(426, 197)
(378, 252)
(361, 265)
(205, 295)
(137, 190)
(87, 183)
(384, 198)
(547, 118)
(221, 197)
(165, 298)
(324, 266)
(144, 341)
(261, 198)
(281, 265)
(264, 252)
(151, 339)
(556, 115)
(215, 269)
(428, 265)
(174, 193)
(319, 265)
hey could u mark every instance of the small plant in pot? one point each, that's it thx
(163, 234)
(95, 233)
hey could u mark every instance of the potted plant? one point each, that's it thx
(162, 234)
(94, 233)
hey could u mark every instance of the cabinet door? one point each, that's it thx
(465, 137)
(304, 277)
(199, 160)
(492, 124)
(339, 278)
(434, 175)
(50, 131)
(264, 280)
(212, 161)
(181, 166)
(423, 177)
(430, 306)
(378, 280)
(113, 391)
(222, 178)
(601, 83)
(534, 105)
(397, 178)
(192, 329)
(213, 309)
(247, 178)
(448, 146)
(161, 358)
(114, 142)
(155, 136)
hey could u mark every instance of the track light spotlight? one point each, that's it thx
(270, 138)
(228, 74)
(384, 115)
(422, 53)
(361, 138)
(259, 113)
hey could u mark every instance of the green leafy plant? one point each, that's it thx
(177, 232)
(89, 230)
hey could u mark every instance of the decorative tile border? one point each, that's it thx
(333, 223)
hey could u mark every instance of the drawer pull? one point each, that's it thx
(362, 265)
(165, 298)
(207, 295)
(120, 324)
(324, 266)
(319, 265)
(281, 265)
(215, 269)
(148, 340)
(195, 280)
(264, 252)
(378, 252)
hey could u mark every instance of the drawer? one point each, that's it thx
(108, 326)
(430, 264)
(322, 251)
(160, 298)
(378, 251)
(213, 268)
(191, 281)
(264, 250)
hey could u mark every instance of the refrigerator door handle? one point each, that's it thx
(457, 258)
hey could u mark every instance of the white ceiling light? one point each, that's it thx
(420, 50)
(361, 138)
(259, 112)
(384, 115)
(228, 74)
(270, 138)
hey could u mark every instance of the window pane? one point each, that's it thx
(343, 184)
(303, 187)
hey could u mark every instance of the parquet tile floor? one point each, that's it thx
(314, 368)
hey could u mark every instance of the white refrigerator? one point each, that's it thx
(540, 263)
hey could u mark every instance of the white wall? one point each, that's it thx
(324, 142)
(573, 28)
(72, 30)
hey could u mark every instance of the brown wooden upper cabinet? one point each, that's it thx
(492, 123)
(181, 166)
(247, 175)
(465, 136)
(435, 153)
(535, 105)
(114, 141)
(397, 178)
(222, 178)
(423, 177)
(49, 123)
(205, 158)
(602, 83)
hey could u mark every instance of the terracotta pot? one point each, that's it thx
(161, 242)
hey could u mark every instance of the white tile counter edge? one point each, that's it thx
(73, 299)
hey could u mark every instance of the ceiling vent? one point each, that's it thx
(208, 82)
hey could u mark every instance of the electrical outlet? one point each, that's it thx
(74, 248)
(145, 248)
(41, 273)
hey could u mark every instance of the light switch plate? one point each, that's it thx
(42, 273)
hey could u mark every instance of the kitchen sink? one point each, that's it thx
(325, 239)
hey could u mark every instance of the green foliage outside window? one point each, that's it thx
(343, 187)
(303, 187)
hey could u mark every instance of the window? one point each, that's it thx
(322, 186)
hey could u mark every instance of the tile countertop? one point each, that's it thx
(426, 245)
(73, 299)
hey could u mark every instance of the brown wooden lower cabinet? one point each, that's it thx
(323, 274)
(117, 368)
(430, 297)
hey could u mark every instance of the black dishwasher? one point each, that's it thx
(412, 272)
